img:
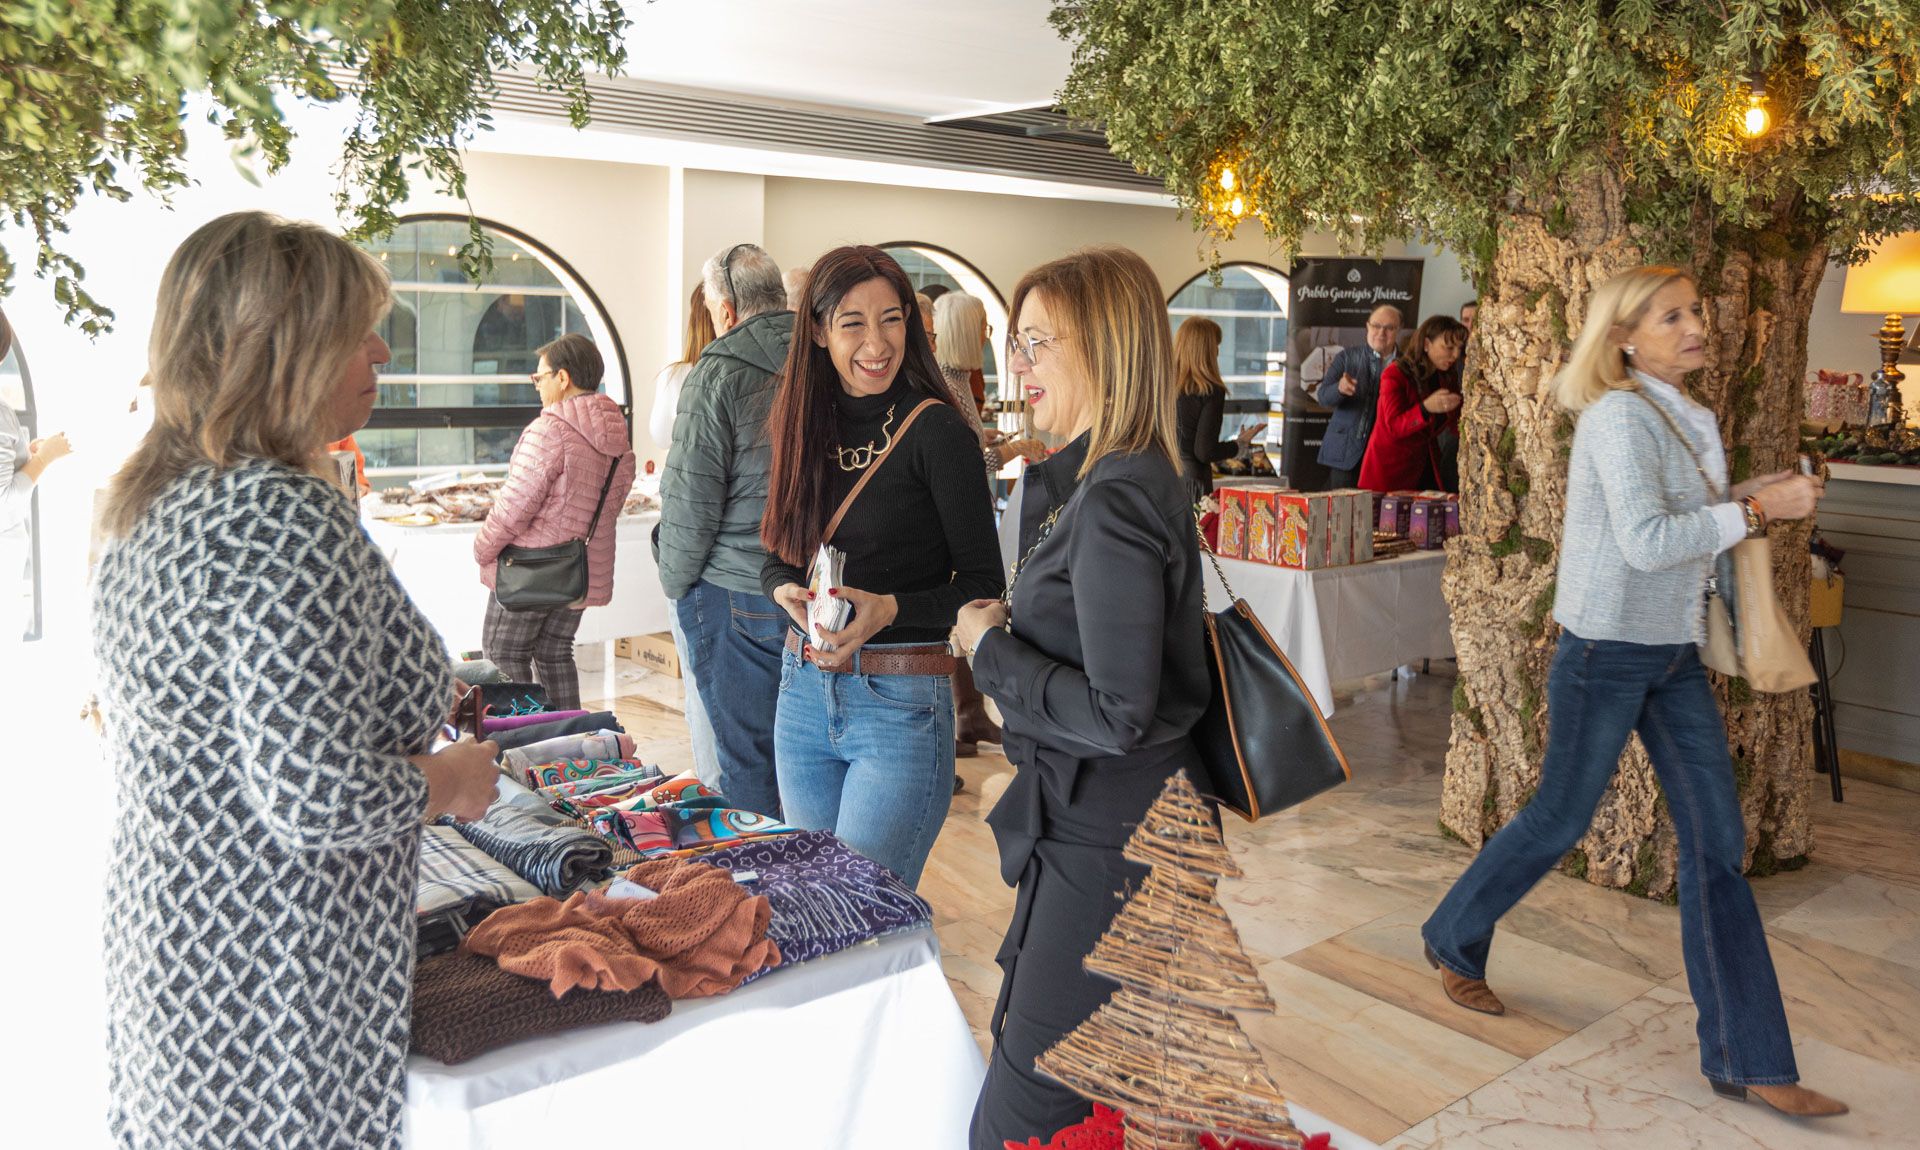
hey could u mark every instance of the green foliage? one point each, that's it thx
(1447, 832)
(1575, 864)
(1507, 544)
(93, 95)
(1537, 549)
(1483, 103)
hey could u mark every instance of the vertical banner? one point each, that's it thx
(1328, 309)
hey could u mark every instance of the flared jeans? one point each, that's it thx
(1598, 692)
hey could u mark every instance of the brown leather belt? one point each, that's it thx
(930, 659)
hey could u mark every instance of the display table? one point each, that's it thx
(862, 1049)
(1344, 623)
(1873, 514)
(435, 565)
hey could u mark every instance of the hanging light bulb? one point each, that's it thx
(1238, 207)
(1227, 178)
(1757, 119)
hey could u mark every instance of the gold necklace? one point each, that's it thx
(860, 458)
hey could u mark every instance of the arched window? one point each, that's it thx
(456, 394)
(20, 584)
(1250, 305)
(926, 265)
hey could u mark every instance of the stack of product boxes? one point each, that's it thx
(1288, 528)
(1429, 518)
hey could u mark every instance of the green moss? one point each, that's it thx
(1672, 897)
(1507, 544)
(1507, 444)
(1478, 720)
(1447, 832)
(1575, 864)
(1742, 774)
(1739, 692)
(1558, 225)
(1761, 298)
(1538, 550)
(1563, 427)
(1740, 465)
(1557, 316)
(1539, 612)
(1532, 297)
(1643, 863)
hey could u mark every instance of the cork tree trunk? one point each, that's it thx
(1759, 290)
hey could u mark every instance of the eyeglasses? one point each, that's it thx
(726, 270)
(540, 375)
(1383, 327)
(1028, 346)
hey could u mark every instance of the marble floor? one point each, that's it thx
(1597, 1049)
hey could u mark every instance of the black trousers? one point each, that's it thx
(1070, 888)
(1339, 479)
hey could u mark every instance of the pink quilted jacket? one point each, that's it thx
(558, 467)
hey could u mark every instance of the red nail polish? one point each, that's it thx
(835, 591)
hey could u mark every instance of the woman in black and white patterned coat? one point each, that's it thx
(269, 691)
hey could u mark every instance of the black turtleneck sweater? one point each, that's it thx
(923, 530)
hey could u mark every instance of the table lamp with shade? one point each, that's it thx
(1888, 284)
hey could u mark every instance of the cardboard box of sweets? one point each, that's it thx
(1263, 524)
(1396, 513)
(1233, 522)
(1428, 527)
(1360, 515)
(1305, 530)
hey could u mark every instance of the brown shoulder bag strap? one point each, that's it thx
(834, 523)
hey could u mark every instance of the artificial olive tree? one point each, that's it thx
(1551, 145)
(93, 95)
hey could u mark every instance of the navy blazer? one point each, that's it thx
(1345, 443)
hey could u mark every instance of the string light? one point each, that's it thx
(1757, 119)
(1227, 179)
(1238, 207)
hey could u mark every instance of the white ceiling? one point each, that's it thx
(918, 58)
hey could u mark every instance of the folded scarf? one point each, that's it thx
(493, 723)
(683, 829)
(600, 745)
(504, 699)
(552, 728)
(702, 935)
(825, 896)
(453, 871)
(579, 798)
(465, 1005)
(441, 931)
(570, 770)
(556, 856)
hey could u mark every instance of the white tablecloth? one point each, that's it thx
(1344, 623)
(861, 1050)
(435, 565)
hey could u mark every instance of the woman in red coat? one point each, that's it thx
(1419, 402)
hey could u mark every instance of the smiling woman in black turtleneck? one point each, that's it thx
(871, 455)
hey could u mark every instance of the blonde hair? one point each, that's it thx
(1596, 365)
(1109, 307)
(256, 320)
(960, 323)
(1196, 357)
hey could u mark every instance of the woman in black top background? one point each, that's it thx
(863, 738)
(1100, 673)
(1201, 405)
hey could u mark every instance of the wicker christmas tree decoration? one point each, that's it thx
(1164, 1048)
(1179, 836)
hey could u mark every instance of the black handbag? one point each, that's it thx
(1263, 741)
(542, 578)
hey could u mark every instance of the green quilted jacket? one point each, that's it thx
(714, 487)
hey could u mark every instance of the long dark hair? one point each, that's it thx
(804, 422)
(1426, 377)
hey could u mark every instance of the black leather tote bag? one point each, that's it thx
(1263, 741)
(542, 578)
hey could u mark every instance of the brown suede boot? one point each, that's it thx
(1792, 1099)
(1472, 993)
(971, 726)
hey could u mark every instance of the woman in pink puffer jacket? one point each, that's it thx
(552, 485)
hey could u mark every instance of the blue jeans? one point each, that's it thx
(1599, 691)
(868, 757)
(733, 646)
(706, 760)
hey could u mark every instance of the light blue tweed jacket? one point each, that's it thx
(1639, 541)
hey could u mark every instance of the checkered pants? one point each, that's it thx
(535, 647)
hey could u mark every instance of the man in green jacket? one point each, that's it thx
(712, 494)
